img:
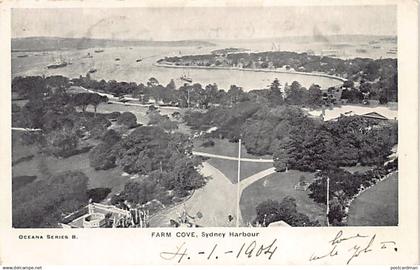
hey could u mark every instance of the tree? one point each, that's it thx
(128, 119)
(98, 194)
(96, 99)
(297, 94)
(31, 87)
(336, 212)
(111, 137)
(267, 212)
(314, 96)
(271, 211)
(171, 85)
(152, 82)
(275, 96)
(282, 155)
(43, 203)
(383, 99)
(61, 143)
(81, 100)
(235, 94)
(102, 157)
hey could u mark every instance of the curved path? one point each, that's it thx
(254, 178)
(215, 201)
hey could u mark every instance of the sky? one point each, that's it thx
(204, 23)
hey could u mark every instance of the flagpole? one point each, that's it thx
(328, 199)
(238, 184)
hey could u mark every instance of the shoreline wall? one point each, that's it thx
(253, 70)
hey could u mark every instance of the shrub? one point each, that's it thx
(128, 119)
(101, 157)
(208, 143)
(62, 144)
(113, 115)
(111, 137)
(98, 194)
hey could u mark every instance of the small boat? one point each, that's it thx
(99, 51)
(57, 65)
(88, 55)
(117, 59)
(185, 78)
(22, 56)
(139, 60)
(92, 70)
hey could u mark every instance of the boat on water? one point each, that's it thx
(92, 70)
(59, 63)
(22, 56)
(117, 59)
(99, 51)
(185, 78)
(88, 55)
(361, 50)
(139, 60)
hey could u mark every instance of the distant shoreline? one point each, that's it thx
(253, 70)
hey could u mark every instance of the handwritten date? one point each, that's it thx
(247, 250)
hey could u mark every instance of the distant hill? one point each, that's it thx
(57, 43)
(320, 38)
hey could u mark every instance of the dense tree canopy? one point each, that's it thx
(271, 211)
(43, 203)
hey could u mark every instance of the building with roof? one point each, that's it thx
(96, 215)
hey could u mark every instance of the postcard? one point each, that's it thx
(209, 133)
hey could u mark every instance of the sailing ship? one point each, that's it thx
(275, 47)
(58, 64)
(186, 78)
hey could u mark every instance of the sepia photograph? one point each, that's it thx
(155, 117)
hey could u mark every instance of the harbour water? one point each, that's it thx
(128, 69)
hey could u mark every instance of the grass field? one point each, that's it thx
(230, 167)
(377, 206)
(276, 187)
(39, 165)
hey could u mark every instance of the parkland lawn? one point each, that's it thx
(230, 167)
(276, 187)
(39, 165)
(377, 206)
